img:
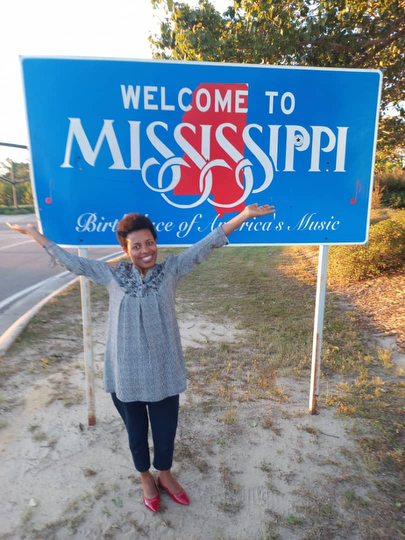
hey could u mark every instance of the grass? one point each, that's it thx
(229, 417)
(271, 297)
(230, 504)
(73, 515)
(271, 487)
(385, 356)
(381, 438)
(265, 467)
(185, 451)
(68, 393)
(269, 532)
(275, 307)
(51, 325)
(227, 480)
(11, 211)
(381, 405)
(294, 520)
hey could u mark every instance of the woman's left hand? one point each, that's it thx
(250, 211)
(254, 210)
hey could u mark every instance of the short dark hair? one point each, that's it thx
(131, 223)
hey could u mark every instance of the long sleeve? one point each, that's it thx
(199, 252)
(98, 271)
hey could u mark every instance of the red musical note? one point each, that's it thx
(358, 189)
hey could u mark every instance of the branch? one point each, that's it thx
(325, 43)
(393, 28)
(378, 45)
(394, 32)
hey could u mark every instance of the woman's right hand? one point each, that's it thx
(32, 231)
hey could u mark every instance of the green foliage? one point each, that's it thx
(399, 217)
(23, 188)
(385, 252)
(10, 210)
(24, 194)
(345, 33)
(395, 201)
(392, 182)
(392, 179)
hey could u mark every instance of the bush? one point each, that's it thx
(392, 180)
(396, 200)
(378, 193)
(10, 210)
(385, 252)
(399, 217)
(392, 187)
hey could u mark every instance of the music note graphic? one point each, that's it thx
(358, 189)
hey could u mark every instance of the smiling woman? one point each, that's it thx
(144, 366)
(137, 236)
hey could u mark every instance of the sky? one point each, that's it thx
(96, 28)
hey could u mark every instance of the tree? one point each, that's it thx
(21, 180)
(344, 33)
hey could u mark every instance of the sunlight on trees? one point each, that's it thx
(349, 34)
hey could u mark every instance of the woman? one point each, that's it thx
(144, 367)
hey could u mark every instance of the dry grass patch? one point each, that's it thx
(270, 293)
(379, 302)
(186, 451)
(230, 504)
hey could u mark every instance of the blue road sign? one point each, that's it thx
(191, 143)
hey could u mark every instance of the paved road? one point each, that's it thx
(23, 262)
(25, 275)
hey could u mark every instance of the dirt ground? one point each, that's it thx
(254, 468)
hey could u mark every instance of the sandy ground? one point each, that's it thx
(247, 477)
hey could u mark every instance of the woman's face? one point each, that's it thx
(142, 249)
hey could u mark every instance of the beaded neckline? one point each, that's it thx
(134, 283)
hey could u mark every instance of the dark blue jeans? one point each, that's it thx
(163, 417)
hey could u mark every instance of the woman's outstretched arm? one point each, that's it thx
(98, 271)
(199, 252)
(31, 231)
(251, 211)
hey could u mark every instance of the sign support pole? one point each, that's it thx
(88, 344)
(318, 328)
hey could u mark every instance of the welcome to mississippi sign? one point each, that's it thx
(190, 144)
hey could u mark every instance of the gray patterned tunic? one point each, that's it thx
(143, 356)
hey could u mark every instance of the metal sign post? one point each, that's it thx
(88, 344)
(318, 328)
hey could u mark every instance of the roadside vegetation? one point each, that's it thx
(392, 182)
(22, 209)
(19, 174)
(384, 253)
(271, 298)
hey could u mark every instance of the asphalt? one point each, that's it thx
(17, 310)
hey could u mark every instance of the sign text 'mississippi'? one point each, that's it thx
(267, 142)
